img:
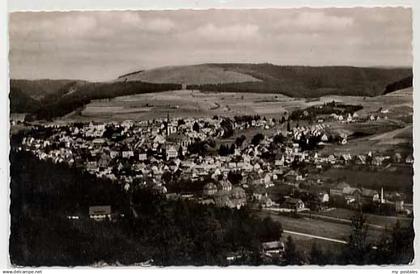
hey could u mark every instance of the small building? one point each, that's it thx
(338, 189)
(114, 154)
(100, 213)
(397, 158)
(409, 159)
(127, 154)
(209, 189)
(360, 160)
(171, 152)
(293, 204)
(233, 256)
(238, 197)
(273, 248)
(399, 206)
(225, 185)
(370, 195)
(266, 202)
(142, 156)
(352, 195)
(104, 160)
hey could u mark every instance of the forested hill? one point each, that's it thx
(20, 102)
(39, 89)
(76, 94)
(302, 81)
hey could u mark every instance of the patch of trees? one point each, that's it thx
(196, 127)
(279, 139)
(186, 186)
(309, 142)
(256, 140)
(325, 109)
(246, 118)
(227, 126)
(239, 141)
(396, 248)
(235, 177)
(401, 84)
(225, 150)
(201, 147)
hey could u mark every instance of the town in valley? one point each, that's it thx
(214, 164)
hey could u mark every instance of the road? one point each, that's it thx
(314, 236)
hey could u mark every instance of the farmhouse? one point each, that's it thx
(293, 204)
(409, 159)
(274, 248)
(225, 185)
(209, 189)
(369, 195)
(238, 197)
(100, 213)
(171, 153)
(338, 190)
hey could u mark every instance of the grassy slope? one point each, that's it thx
(193, 75)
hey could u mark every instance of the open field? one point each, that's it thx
(204, 104)
(318, 227)
(189, 103)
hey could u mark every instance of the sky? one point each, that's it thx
(101, 45)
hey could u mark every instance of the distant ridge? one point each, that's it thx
(54, 98)
(295, 81)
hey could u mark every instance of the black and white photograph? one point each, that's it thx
(211, 137)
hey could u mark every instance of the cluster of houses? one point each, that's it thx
(150, 152)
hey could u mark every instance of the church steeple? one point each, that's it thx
(167, 124)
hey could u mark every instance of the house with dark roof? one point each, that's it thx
(273, 249)
(294, 204)
(100, 213)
